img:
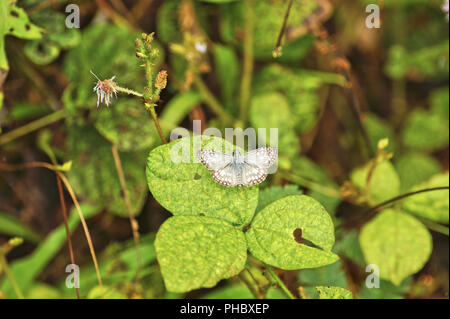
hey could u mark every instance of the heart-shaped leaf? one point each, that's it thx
(195, 252)
(186, 188)
(430, 205)
(292, 233)
(397, 243)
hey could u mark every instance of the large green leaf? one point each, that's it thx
(397, 243)
(384, 183)
(195, 252)
(292, 233)
(334, 293)
(274, 193)
(188, 189)
(425, 131)
(432, 205)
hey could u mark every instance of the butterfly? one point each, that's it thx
(239, 169)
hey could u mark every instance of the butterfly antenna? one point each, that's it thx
(94, 75)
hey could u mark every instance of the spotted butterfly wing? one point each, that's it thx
(221, 166)
(256, 165)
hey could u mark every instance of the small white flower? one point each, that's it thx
(201, 47)
(105, 90)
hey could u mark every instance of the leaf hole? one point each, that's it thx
(14, 13)
(27, 27)
(197, 176)
(298, 236)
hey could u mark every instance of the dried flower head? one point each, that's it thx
(105, 90)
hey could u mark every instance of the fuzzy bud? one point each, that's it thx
(161, 80)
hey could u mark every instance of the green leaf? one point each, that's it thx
(432, 205)
(15, 228)
(195, 252)
(415, 168)
(300, 89)
(397, 243)
(334, 293)
(384, 184)
(271, 235)
(272, 194)
(3, 59)
(425, 131)
(127, 125)
(94, 175)
(18, 24)
(188, 189)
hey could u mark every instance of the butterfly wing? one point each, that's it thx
(256, 165)
(214, 160)
(252, 174)
(227, 176)
(262, 157)
(221, 165)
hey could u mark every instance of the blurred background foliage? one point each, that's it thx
(336, 91)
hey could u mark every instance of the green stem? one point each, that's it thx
(10, 275)
(250, 286)
(436, 227)
(247, 68)
(279, 282)
(32, 126)
(211, 100)
(155, 119)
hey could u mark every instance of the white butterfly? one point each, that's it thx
(236, 170)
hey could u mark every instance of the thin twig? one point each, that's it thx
(278, 47)
(133, 222)
(9, 274)
(32, 126)
(66, 226)
(373, 210)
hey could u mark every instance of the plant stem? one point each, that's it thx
(158, 126)
(278, 47)
(9, 167)
(10, 275)
(32, 126)
(247, 67)
(279, 282)
(250, 286)
(66, 226)
(133, 222)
